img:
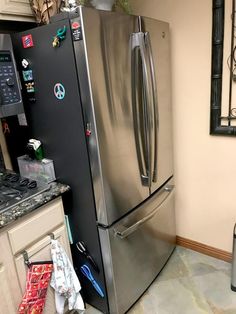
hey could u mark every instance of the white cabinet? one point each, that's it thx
(10, 292)
(41, 252)
(16, 10)
(32, 234)
(36, 225)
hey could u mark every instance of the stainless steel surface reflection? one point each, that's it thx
(124, 74)
(158, 47)
(137, 247)
(115, 168)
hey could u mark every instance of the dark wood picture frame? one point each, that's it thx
(216, 128)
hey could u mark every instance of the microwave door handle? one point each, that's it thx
(140, 111)
(155, 110)
(122, 232)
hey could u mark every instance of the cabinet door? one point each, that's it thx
(36, 226)
(9, 285)
(16, 10)
(41, 252)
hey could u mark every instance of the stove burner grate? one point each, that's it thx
(14, 189)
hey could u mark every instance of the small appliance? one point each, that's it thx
(10, 91)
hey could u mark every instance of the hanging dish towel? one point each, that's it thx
(64, 280)
(37, 281)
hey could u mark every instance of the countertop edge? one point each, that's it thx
(12, 214)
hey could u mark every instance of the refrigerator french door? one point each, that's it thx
(110, 138)
(126, 106)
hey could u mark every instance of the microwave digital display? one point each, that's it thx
(5, 57)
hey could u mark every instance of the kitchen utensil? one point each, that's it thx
(87, 273)
(83, 250)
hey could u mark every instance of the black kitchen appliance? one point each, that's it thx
(10, 92)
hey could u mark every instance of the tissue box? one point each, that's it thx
(42, 170)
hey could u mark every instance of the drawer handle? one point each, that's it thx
(122, 233)
(52, 236)
(25, 253)
(26, 258)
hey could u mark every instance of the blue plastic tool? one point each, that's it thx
(87, 273)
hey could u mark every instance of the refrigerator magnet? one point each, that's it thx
(76, 31)
(27, 41)
(59, 91)
(60, 36)
(25, 63)
(27, 75)
(30, 87)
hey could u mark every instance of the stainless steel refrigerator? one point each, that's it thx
(101, 105)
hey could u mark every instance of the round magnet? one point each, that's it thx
(59, 91)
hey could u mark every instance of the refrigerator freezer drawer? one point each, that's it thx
(137, 247)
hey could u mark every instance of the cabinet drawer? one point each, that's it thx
(41, 223)
(41, 251)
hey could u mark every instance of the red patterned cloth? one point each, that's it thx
(38, 279)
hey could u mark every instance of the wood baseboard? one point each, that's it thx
(205, 249)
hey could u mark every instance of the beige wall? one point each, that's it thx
(205, 166)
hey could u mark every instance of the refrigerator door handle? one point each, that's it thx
(138, 51)
(122, 232)
(155, 111)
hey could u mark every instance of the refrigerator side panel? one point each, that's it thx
(162, 142)
(136, 248)
(58, 123)
(104, 55)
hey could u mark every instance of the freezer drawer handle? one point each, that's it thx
(122, 232)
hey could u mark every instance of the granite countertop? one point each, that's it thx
(56, 189)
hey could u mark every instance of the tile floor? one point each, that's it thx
(191, 283)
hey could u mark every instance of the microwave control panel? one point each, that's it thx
(9, 88)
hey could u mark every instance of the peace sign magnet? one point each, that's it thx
(59, 91)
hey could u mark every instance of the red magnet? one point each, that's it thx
(75, 25)
(27, 41)
(88, 132)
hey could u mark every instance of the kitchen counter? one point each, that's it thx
(56, 189)
(42, 218)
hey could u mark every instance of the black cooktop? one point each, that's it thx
(15, 189)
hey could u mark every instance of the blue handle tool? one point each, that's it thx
(87, 273)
